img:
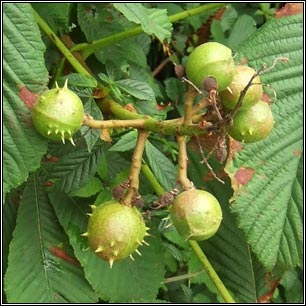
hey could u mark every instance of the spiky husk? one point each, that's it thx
(196, 214)
(115, 231)
(211, 59)
(230, 95)
(58, 114)
(252, 124)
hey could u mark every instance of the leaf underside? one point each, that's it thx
(35, 274)
(23, 67)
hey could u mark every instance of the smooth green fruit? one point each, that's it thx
(210, 60)
(58, 114)
(196, 214)
(115, 231)
(252, 124)
(230, 95)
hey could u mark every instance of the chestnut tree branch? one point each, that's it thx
(135, 168)
(133, 120)
(182, 177)
(211, 272)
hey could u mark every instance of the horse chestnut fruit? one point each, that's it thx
(58, 114)
(210, 60)
(196, 214)
(242, 76)
(252, 124)
(115, 231)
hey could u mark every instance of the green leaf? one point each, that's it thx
(9, 213)
(76, 169)
(293, 287)
(91, 135)
(89, 189)
(269, 207)
(104, 196)
(137, 89)
(152, 21)
(23, 67)
(175, 90)
(244, 26)
(115, 164)
(127, 280)
(34, 273)
(161, 166)
(97, 21)
(126, 143)
(93, 19)
(79, 80)
(122, 53)
(55, 14)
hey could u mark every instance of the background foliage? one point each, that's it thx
(48, 186)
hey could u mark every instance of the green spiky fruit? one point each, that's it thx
(230, 95)
(58, 114)
(115, 231)
(211, 59)
(196, 214)
(252, 124)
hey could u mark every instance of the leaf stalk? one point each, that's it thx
(211, 272)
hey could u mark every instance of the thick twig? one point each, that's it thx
(134, 120)
(182, 178)
(135, 168)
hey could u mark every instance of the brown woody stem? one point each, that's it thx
(182, 177)
(135, 168)
(134, 120)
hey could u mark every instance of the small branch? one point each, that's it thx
(135, 168)
(160, 66)
(211, 272)
(182, 277)
(182, 177)
(267, 69)
(192, 85)
(233, 113)
(134, 120)
(107, 124)
(64, 50)
(195, 11)
(91, 47)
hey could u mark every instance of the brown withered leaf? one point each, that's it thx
(243, 175)
(105, 135)
(289, 9)
(234, 147)
(29, 98)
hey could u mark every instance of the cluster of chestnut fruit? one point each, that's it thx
(115, 231)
